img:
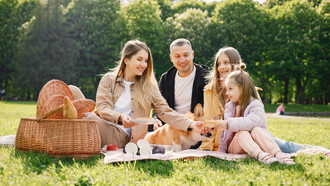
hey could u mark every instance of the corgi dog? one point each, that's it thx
(167, 135)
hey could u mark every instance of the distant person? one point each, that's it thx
(280, 109)
(2, 94)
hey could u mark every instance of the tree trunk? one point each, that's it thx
(299, 90)
(28, 96)
(286, 87)
(96, 81)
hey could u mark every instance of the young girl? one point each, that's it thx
(130, 91)
(245, 123)
(215, 92)
(225, 59)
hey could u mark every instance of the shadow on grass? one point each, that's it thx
(37, 162)
(228, 166)
(152, 167)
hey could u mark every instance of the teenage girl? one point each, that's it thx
(245, 124)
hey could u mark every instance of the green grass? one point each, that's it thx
(271, 108)
(31, 168)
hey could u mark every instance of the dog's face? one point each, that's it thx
(199, 115)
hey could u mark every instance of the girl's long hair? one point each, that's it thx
(144, 85)
(214, 76)
(244, 81)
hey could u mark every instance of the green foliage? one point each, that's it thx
(48, 48)
(285, 43)
(244, 25)
(165, 8)
(30, 168)
(93, 25)
(182, 6)
(298, 29)
(193, 24)
(143, 22)
(12, 16)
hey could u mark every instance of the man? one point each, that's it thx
(182, 85)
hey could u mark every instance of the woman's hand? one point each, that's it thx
(158, 124)
(125, 119)
(197, 126)
(222, 125)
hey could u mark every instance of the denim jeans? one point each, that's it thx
(287, 146)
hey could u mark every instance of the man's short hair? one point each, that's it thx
(179, 42)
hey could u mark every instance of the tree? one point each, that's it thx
(244, 25)
(12, 16)
(165, 8)
(46, 52)
(193, 25)
(296, 44)
(95, 28)
(143, 22)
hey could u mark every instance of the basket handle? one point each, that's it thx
(49, 113)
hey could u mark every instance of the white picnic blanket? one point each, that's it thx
(119, 156)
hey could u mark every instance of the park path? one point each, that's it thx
(273, 115)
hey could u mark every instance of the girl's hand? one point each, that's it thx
(222, 125)
(157, 125)
(125, 119)
(197, 126)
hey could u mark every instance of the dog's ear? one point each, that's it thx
(198, 111)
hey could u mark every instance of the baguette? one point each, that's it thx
(210, 123)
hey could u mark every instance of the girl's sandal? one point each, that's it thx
(266, 158)
(285, 159)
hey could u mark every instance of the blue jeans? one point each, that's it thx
(287, 146)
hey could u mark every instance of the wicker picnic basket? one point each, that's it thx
(49, 132)
(77, 138)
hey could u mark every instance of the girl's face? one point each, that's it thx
(224, 66)
(234, 92)
(136, 65)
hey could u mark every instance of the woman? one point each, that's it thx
(130, 91)
(225, 60)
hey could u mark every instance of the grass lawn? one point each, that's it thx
(271, 108)
(31, 168)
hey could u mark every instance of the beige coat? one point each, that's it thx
(110, 89)
(211, 109)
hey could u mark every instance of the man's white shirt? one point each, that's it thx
(182, 92)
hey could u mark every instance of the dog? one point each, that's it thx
(182, 140)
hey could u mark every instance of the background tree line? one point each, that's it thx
(285, 43)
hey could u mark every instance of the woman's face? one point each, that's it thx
(224, 66)
(136, 65)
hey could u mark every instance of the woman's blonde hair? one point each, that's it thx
(145, 84)
(214, 76)
(244, 81)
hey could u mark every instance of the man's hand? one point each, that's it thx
(158, 124)
(197, 126)
(125, 119)
(222, 125)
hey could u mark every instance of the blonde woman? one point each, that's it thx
(215, 93)
(130, 91)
